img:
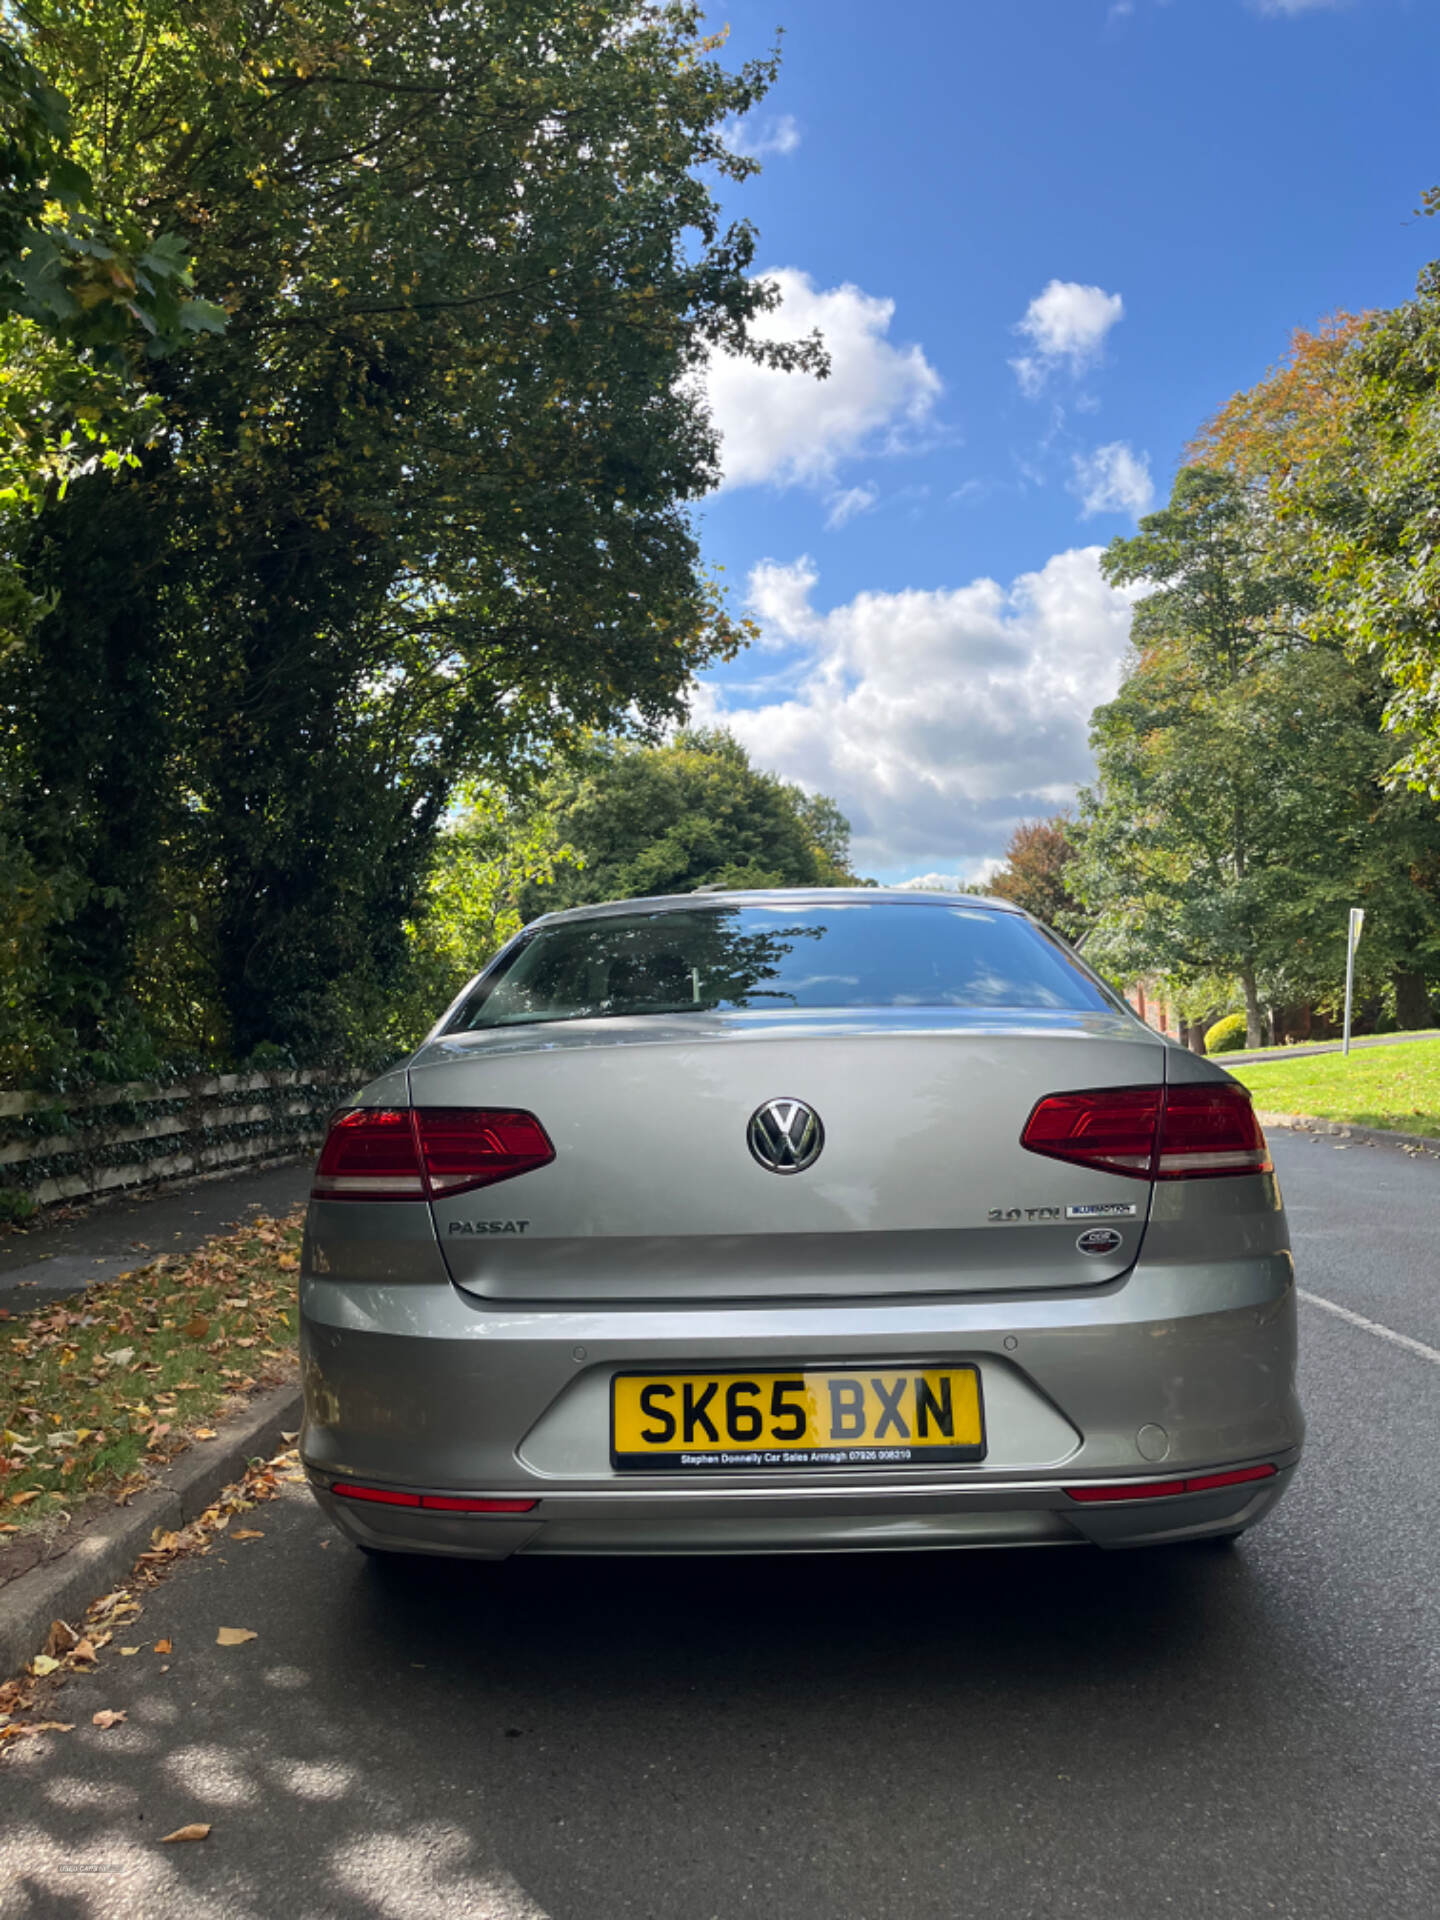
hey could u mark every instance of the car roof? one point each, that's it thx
(778, 896)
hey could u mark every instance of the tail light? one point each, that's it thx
(426, 1153)
(1152, 1133)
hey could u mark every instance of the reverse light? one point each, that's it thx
(431, 1502)
(1192, 1132)
(1167, 1489)
(426, 1153)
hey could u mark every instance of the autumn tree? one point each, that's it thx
(1037, 873)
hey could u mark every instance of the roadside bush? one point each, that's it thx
(1227, 1035)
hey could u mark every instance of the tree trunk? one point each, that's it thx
(1254, 1020)
(1198, 1030)
(1412, 1001)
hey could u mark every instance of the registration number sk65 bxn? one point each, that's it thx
(809, 1417)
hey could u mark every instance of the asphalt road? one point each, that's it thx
(1184, 1733)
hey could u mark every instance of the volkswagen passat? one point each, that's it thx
(745, 1222)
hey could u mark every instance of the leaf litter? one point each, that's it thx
(96, 1392)
(77, 1647)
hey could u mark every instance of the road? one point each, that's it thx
(1187, 1734)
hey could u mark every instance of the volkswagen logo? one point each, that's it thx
(785, 1136)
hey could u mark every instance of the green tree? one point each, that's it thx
(1373, 509)
(692, 813)
(420, 510)
(1240, 803)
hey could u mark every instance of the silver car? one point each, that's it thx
(780, 1221)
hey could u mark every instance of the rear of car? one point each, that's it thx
(773, 1222)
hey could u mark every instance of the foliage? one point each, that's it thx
(1374, 510)
(496, 852)
(1296, 415)
(1227, 1035)
(1036, 874)
(92, 1390)
(1389, 1086)
(692, 813)
(416, 514)
(1245, 797)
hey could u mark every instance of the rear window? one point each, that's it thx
(846, 954)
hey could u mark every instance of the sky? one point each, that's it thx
(1044, 241)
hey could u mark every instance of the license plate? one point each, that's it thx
(859, 1417)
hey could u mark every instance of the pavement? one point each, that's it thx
(1190, 1733)
(1301, 1051)
(54, 1258)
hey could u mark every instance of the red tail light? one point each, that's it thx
(432, 1502)
(1152, 1133)
(420, 1153)
(1167, 1489)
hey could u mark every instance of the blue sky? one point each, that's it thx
(1045, 239)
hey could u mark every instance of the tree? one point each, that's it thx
(1374, 509)
(1295, 416)
(420, 510)
(668, 819)
(1244, 796)
(1037, 872)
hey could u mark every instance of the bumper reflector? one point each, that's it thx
(1167, 1489)
(432, 1502)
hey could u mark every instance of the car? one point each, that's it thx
(774, 1221)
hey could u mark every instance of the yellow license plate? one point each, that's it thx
(858, 1416)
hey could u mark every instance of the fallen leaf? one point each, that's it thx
(60, 1639)
(38, 1726)
(203, 1433)
(289, 1437)
(107, 1717)
(23, 1499)
(162, 1646)
(125, 1652)
(197, 1830)
(42, 1664)
(197, 1328)
(121, 1356)
(234, 1636)
(248, 1533)
(85, 1651)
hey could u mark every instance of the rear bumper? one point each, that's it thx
(1178, 1369)
(834, 1520)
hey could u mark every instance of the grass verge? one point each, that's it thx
(95, 1390)
(1396, 1087)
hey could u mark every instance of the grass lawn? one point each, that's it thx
(96, 1389)
(1395, 1087)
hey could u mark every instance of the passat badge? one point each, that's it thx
(1100, 1240)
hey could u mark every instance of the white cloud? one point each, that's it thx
(975, 875)
(777, 134)
(1066, 325)
(1290, 7)
(938, 719)
(846, 505)
(789, 428)
(1113, 479)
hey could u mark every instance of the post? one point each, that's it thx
(1352, 940)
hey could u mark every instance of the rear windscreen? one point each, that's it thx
(853, 954)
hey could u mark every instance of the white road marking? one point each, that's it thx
(1432, 1354)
